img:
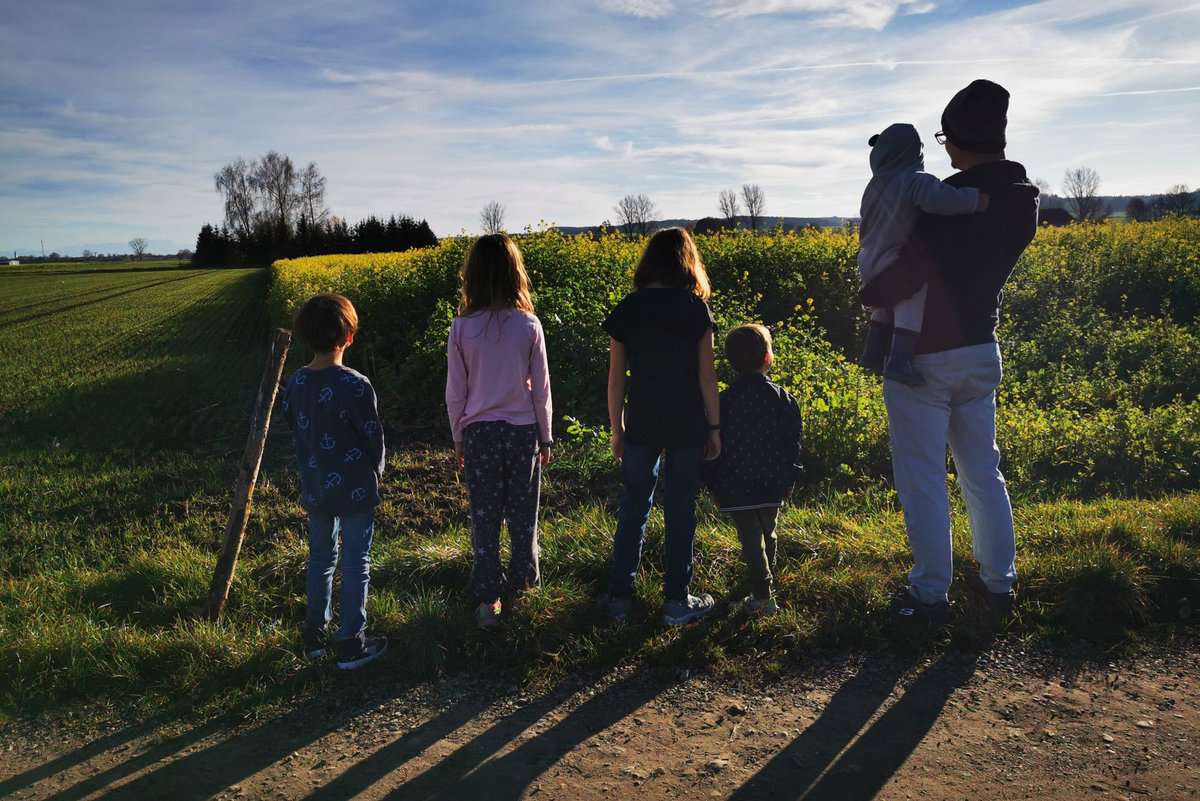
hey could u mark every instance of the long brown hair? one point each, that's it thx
(671, 259)
(493, 277)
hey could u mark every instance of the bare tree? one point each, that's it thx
(730, 208)
(1139, 210)
(756, 201)
(1043, 185)
(235, 183)
(138, 246)
(184, 255)
(1179, 199)
(1081, 186)
(634, 213)
(312, 195)
(278, 185)
(492, 218)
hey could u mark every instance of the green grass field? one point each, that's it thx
(122, 415)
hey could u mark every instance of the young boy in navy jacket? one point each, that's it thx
(759, 462)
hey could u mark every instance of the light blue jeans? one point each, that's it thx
(353, 533)
(956, 406)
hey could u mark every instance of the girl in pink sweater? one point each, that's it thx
(498, 397)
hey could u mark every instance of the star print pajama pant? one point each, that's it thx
(503, 480)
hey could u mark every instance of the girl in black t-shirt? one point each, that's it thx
(662, 336)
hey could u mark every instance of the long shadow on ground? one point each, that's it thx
(818, 765)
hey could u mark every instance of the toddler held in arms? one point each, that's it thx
(899, 191)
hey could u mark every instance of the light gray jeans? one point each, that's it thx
(956, 405)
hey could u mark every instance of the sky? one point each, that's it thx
(114, 116)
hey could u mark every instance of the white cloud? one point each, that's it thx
(871, 14)
(648, 9)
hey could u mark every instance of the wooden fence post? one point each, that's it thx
(243, 489)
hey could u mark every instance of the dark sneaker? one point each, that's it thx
(694, 607)
(315, 644)
(359, 652)
(999, 604)
(907, 609)
(875, 348)
(614, 608)
(902, 369)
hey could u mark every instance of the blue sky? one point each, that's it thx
(114, 116)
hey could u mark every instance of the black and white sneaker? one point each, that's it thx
(360, 651)
(315, 644)
(907, 609)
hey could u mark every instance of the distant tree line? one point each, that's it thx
(274, 210)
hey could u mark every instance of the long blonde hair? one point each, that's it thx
(493, 277)
(671, 259)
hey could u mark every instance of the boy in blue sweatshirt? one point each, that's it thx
(332, 412)
(759, 461)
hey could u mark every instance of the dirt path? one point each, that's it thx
(1002, 726)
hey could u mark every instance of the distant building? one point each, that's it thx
(14, 262)
(1055, 217)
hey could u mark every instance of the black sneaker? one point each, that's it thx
(907, 609)
(315, 644)
(875, 347)
(999, 604)
(902, 369)
(360, 651)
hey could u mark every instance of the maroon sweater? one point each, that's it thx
(965, 260)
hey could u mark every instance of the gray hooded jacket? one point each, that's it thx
(898, 192)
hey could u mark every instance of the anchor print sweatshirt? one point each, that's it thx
(339, 439)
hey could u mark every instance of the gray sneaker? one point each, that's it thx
(614, 608)
(680, 613)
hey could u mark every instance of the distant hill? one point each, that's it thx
(764, 223)
(1116, 204)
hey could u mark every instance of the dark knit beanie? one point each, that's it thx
(976, 117)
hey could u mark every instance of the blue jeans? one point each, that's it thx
(639, 470)
(355, 533)
(955, 406)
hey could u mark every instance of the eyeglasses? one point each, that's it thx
(941, 137)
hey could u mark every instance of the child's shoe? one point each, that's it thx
(360, 651)
(760, 607)
(614, 608)
(902, 369)
(315, 644)
(680, 613)
(875, 347)
(487, 615)
(900, 365)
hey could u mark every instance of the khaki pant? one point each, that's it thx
(756, 530)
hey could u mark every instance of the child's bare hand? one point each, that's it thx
(984, 200)
(544, 455)
(459, 455)
(618, 445)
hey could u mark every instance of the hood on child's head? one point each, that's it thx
(897, 148)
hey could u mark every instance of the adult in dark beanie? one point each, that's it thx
(965, 262)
